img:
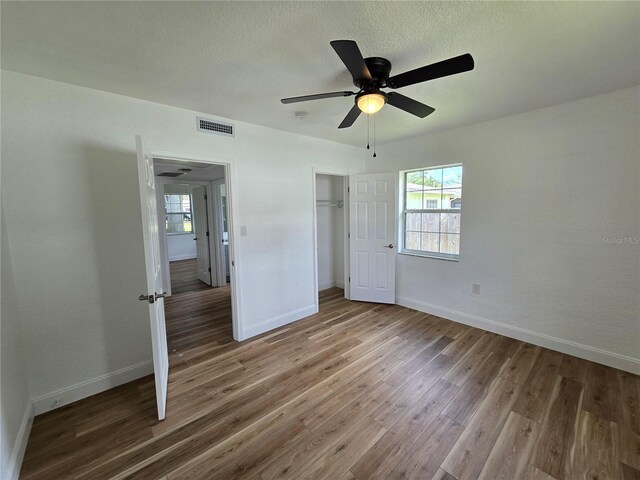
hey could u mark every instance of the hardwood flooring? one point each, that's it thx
(184, 276)
(357, 391)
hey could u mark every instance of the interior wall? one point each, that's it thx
(73, 215)
(15, 407)
(550, 227)
(330, 228)
(179, 246)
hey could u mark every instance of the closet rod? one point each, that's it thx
(329, 203)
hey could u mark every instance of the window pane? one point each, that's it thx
(414, 200)
(451, 197)
(450, 223)
(412, 241)
(430, 242)
(415, 180)
(432, 179)
(450, 244)
(413, 222)
(452, 177)
(431, 222)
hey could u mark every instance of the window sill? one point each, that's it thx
(178, 234)
(427, 255)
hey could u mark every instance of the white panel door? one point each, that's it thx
(154, 295)
(201, 219)
(372, 210)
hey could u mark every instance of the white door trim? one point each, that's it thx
(345, 184)
(217, 247)
(230, 180)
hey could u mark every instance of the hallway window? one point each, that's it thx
(177, 209)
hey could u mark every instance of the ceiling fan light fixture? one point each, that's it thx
(371, 102)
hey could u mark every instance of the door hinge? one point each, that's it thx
(209, 268)
(233, 264)
(205, 197)
(349, 279)
(349, 235)
(207, 234)
(348, 189)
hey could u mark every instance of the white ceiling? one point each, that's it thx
(201, 172)
(236, 59)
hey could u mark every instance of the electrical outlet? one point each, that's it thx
(475, 289)
(243, 230)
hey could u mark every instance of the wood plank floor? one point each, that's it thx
(358, 391)
(184, 276)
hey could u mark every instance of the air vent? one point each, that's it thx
(170, 174)
(219, 128)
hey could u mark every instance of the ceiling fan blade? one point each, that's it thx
(351, 117)
(454, 65)
(350, 55)
(409, 105)
(318, 96)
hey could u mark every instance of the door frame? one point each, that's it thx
(217, 229)
(232, 224)
(345, 185)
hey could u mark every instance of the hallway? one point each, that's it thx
(198, 316)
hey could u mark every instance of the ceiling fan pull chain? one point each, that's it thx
(367, 132)
(374, 136)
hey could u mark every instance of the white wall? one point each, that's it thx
(15, 411)
(330, 228)
(73, 216)
(181, 247)
(542, 190)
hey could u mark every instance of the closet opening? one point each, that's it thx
(331, 235)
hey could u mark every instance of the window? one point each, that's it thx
(431, 211)
(177, 209)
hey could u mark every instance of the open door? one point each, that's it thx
(372, 228)
(155, 294)
(201, 217)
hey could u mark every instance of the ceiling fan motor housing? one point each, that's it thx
(379, 68)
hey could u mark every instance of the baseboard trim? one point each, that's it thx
(87, 388)
(278, 321)
(20, 445)
(324, 286)
(182, 257)
(622, 362)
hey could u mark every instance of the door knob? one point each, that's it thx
(389, 246)
(152, 298)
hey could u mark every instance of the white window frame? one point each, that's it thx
(192, 232)
(403, 216)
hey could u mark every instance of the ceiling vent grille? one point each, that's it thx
(219, 128)
(170, 174)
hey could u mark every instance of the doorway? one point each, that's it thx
(331, 234)
(194, 227)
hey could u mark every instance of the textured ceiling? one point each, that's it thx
(236, 59)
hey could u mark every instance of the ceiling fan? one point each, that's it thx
(372, 73)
